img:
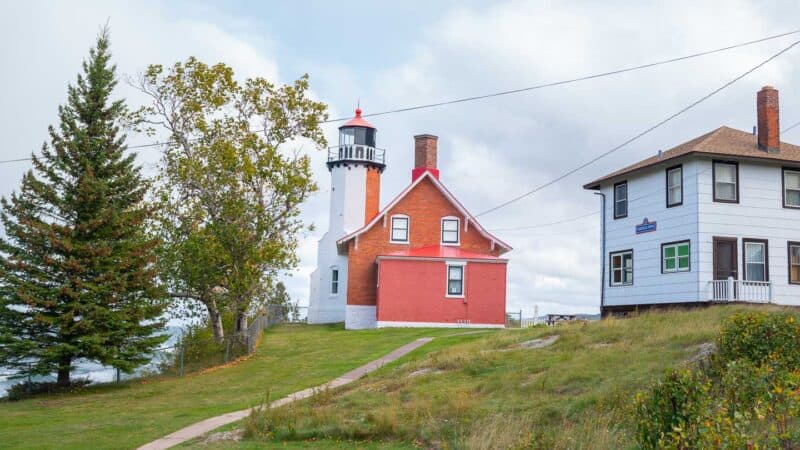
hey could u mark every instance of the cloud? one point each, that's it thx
(490, 150)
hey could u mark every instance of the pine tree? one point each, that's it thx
(77, 276)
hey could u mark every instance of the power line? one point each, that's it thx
(791, 127)
(643, 133)
(541, 225)
(513, 91)
(571, 80)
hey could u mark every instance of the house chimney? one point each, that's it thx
(769, 136)
(424, 156)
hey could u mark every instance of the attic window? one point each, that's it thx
(450, 227)
(399, 233)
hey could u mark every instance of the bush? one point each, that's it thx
(27, 389)
(672, 410)
(758, 337)
(750, 398)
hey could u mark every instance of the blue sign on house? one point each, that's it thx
(646, 226)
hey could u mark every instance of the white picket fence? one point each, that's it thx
(741, 290)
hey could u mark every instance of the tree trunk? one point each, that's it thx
(215, 317)
(241, 323)
(64, 371)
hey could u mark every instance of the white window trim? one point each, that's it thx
(408, 229)
(448, 265)
(612, 269)
(458, 231)
(338, 282)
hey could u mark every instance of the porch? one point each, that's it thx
(740, 290)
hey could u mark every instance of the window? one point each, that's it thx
(794, 262)
(621, 200)
(334, 281)
(791, 188)
(450, 230)
(455, 281)
(674, 186)
(399, 229)
(755, 260)
(675, 257)
(726, 182)
(621, 268)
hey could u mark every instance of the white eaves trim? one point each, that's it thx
(469, 218)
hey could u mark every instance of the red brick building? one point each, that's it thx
(423, 260)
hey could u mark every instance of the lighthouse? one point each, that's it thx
(355, 165)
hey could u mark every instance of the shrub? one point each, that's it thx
(758, 337)
(28, 389)
(672, 410)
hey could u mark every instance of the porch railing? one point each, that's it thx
(741, 290)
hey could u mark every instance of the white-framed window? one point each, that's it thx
(756, 255)
(450, 230)
(455, 280)
(334, 281)
(791, 188)
(726, 182)
(621, 268)
(399, 232)
(621, 200)
(674, 186)
(675, 257)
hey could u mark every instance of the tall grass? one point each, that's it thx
(487, 393)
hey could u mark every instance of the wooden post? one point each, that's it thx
(183, 351)
(731, 287)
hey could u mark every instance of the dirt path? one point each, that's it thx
(200, 428)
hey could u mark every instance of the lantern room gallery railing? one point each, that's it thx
(741, 290)
(356, 152)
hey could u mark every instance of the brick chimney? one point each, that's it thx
(769, 135)
(424, 156)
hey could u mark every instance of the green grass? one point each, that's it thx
(482, 394)
(290, 358)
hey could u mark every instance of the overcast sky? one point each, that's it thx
(396, 54)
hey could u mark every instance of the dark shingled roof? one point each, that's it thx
(723, 141)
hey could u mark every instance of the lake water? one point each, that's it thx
(95, 372)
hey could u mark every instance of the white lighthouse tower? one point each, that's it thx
(355, 165)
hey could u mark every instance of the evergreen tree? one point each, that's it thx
(77, 276)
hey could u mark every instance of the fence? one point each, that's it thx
(741, 290)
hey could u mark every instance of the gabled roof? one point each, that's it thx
(439, 252)
(723, 141)
(450, 197)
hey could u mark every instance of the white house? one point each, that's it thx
(714, 219)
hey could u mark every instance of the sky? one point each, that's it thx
(389, 55)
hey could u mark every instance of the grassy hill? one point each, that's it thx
(489, 393)
(127, 415)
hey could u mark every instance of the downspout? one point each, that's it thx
(602, 252)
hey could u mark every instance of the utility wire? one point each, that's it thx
(541, 225)
(791, 127)
(571, 80)
(643, 133)
(513, 91)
